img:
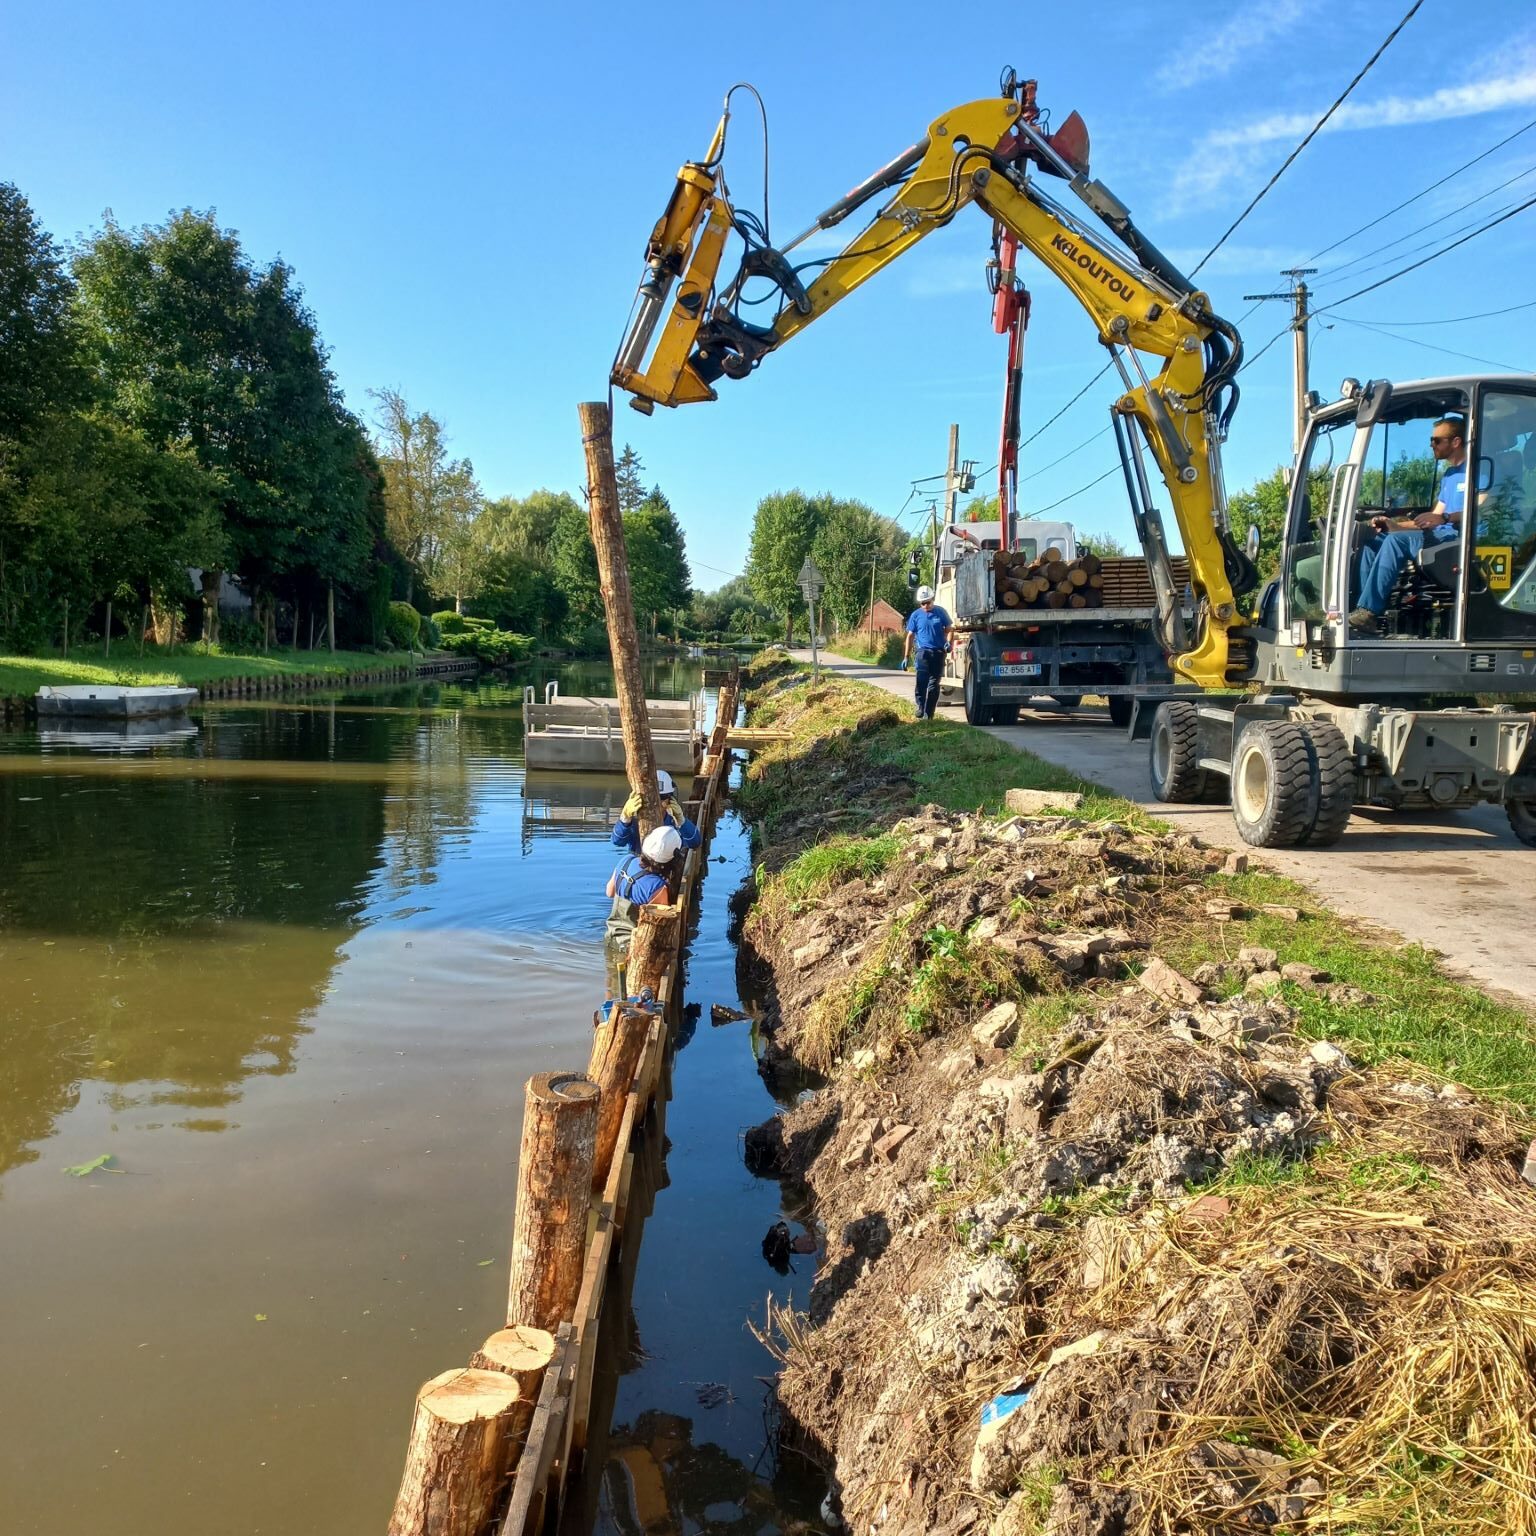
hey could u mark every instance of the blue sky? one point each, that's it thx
(465, 192)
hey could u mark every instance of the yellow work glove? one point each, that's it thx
(632, 806)
(673, 812)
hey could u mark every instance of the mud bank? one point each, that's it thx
(1117, 1238)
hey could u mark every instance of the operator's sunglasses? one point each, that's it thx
(1442, 439)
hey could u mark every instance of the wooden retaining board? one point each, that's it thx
(558, 1432)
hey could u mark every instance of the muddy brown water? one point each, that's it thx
(290, 971)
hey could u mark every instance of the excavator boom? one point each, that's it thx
(981, 154)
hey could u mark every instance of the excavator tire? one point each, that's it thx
(1333, 771)
(1120, 705)
(1522, 820)
(1177, 777)
(1274, 784)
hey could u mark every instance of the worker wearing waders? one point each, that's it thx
(626, 830)
(928, 625)
(640, 881)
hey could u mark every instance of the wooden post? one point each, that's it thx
(458, 1456)
(524, 1355)
(618, 605)
(652, 948)
(617, 1044)
(554, 1192)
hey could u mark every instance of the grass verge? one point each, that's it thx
(181, 665)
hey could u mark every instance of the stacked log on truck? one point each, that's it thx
(1048, 580)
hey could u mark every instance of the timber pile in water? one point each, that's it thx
(1111, 1247)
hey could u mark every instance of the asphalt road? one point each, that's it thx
(1459, 883)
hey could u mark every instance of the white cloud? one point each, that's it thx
(1221, 52)
(1479, 96)
(1239, 154)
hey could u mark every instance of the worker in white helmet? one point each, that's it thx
(928, 629)
(639, 881)
(626, 830)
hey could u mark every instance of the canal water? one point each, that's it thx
(288, 973)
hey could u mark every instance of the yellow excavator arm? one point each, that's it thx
(981, 154)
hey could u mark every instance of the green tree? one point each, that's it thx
(856, 549)
(573, 563)
(783, 529)
(1263, 504)
(1105, 545)
(658, 559)
(630, 474)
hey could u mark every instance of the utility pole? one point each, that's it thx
(952, 474)
(1298, 294)
(874, 560)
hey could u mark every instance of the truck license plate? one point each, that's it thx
(1018, 669)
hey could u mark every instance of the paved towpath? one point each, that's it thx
(1459, 882)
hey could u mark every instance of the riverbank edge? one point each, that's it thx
(952, 1280)
(274, 675)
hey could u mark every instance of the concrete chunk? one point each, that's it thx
(892, 1142)
(996, 1028)
(1161, 980)
(1031, 802)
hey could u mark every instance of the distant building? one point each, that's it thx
(882, 619)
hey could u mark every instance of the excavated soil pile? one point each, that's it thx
(1111, 1248)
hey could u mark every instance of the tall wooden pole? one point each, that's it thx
(619, 608)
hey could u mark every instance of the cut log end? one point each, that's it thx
(468, 1396)
(513, 1351)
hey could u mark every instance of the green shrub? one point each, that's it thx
(430, 634)
(450, 623)
(403, 626)
(495, 647)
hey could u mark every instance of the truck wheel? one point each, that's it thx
(1274, 789)
(976, 712)
(1067, 700)
(1120, 705)
(1522, 820)
(1177, 777)
(1333, 770)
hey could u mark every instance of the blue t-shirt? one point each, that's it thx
(928, 625)
(1453, 496)
(632, 883)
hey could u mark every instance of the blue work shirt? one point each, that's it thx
(928, 627)
(626, 834)
(1453, 497)
(632, 883)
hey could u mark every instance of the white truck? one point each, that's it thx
(1099, 640)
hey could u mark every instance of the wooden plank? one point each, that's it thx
(530, 1485)
(588, 1307)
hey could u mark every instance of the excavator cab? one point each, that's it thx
(1369, 456)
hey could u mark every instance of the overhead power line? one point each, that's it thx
(1487, 314)
(1316, 129)
(1449, 176)
(1429, 346)
(1114, 469)
(1444, 250)
(1333, 278)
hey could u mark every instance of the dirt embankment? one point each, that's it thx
(1110, 1244)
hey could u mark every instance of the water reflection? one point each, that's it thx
(291, 972)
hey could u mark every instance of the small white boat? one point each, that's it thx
(105, 702)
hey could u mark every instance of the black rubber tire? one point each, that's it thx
(1333, 777)
(1177, 778)
(1274, 784)
(976, 713)
(1005, 714)
(1066, 700)
(1522, 820)
(1120, 706)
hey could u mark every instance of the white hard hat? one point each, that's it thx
(661, 845)
(664, 782)
(925, 594)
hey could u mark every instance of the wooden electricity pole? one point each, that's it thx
(619, 607)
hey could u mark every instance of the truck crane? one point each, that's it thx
(1298, 716)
